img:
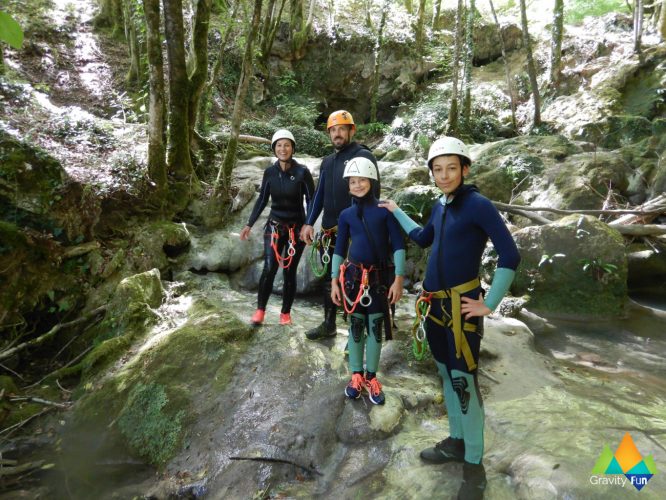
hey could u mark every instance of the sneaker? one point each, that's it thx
(449, 450)
(375, 394)
(473, 483)
(258, 317)
(354, 388)
(285, 319)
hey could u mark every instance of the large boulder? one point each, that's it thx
(584, 256)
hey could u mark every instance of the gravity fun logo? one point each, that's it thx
(626, 465)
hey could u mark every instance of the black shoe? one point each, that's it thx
(449, 450)
(474, 482)
(321, 332)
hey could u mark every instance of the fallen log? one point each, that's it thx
(507, 207)
(42, 338)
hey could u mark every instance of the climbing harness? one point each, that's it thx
(454, 320)
(284, 262)
(422, 306)
(322, 241)
(363, 296)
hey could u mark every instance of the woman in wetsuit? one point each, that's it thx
(287, 183)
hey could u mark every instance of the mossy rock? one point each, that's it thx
(581, 178)
(29, 177)
(162, 383)
(614, 132)
(417, 201)
(576, 265)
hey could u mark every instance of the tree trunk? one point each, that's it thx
(420, 26)
(223, 179)
(378, 56)
(531, 68)
(134, 72)
(178, 153)
(438, 11)
(110, 15)
(298, 28)
(452, 127)
(409, 6)
(217, 71)
(467, 67)
(556, 43)
(662, 21)
(638, 25)
(2, 60)
(270, 28)
(507, 72)
(199, 55)
(156, 164)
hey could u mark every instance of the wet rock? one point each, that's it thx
(646, 268)
(145, 288)
(361, 421)
(584, 256)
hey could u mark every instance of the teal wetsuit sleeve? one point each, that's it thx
(335, 265)
(399, 261)
(500, 285)
(407, 224)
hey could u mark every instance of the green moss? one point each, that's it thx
(151, 430)
(151, 397)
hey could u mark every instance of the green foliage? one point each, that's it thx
(600, 270)
(577, 10)
(371, 130)
(10, 31)
(301, 112)
(308, 140)
(151, 431)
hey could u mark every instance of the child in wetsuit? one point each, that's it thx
(461, 222)
(367, 281)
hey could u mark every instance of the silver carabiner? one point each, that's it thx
(326, 258)
(366, 295)
(291, 251)
(421, 331)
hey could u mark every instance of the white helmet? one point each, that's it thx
(360, 167)
(282, 134)
(447, 146)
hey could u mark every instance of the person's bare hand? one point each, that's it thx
(471, 307)
(335, 292)
(245, 233)
(389, 205)
(307, 234)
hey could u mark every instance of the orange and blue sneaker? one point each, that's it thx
(355, 387)
(258, 317)
(374, 388)
(285, 319)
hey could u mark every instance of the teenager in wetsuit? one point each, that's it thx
(461, 222)
(369, 281)
(287, 183)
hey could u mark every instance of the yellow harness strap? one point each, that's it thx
(455, 321)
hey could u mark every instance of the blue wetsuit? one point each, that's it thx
(374, 232)
(458, 232)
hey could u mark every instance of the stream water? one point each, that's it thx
(595, 382)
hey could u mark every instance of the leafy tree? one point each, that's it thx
(556, 43)
(452, 126)
(379, 42)
(638, 25)
(467, 66)
(662, 21)
(156, 106)
(223, 180)
(420, 26)
(507, 73)
(531, 68)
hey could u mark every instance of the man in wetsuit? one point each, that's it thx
(332, 195)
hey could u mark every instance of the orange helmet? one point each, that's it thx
(340, 117)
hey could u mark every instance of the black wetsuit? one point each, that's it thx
(286, 191)
(332, 195)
